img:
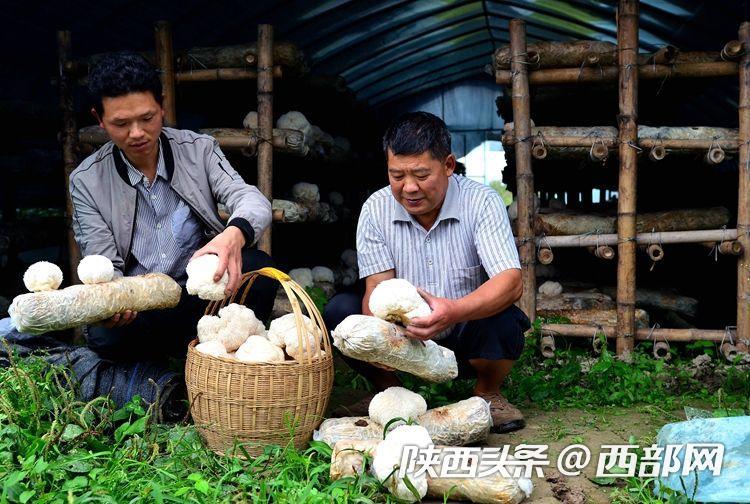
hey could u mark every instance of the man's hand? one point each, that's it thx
(444, 315)
(119, 319)
(228, 246)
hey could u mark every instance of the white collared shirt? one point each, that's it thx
(470, 241)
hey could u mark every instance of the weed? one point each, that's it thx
(56, 449)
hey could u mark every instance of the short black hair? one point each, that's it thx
(416, 132)
(122, 73)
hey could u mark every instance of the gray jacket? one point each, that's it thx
(104, 202)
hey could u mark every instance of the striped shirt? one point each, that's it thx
(470, 241)
(166, 232)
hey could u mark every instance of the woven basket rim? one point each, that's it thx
(299, 299)
(290, 362)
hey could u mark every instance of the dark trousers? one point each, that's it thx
(498, 337)
(158, 334)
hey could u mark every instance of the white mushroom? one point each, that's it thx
(396, 300)
(550, 288)
(396, 402)
(42, 276)
(213, 347)
(200, 281)
(302, 276)
(231, 328)
(306, 193)
(251, 120)
(322, 274)
(295, 121)
(259, 349)
(94, 269)
(283, 332)
(386, 464)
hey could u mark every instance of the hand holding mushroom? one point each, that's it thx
(228, 247)
(442, 317)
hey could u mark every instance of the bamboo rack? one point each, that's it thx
(261, 141)
(520, 66)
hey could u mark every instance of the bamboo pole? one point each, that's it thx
(545, 255)
(733, 50)
(643, 334)
(655, 252)
(580, 53)
(69, 145)
(598, 152)
(602, 252)
(561, 54)
(219, 74)
(284, 53)
(265, 122)
(664, 56)
(657, 153)
(627, 57)
(743, 207)
(661, 350)
(731, 248)
(524, 175)
(547, 346)
(714, 155)
(284, 140)
(165, 60)
(649, 137)
(593, 240)
(609, 73)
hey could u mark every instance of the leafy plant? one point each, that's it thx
(57, 449)
(576, 378)
(318, 296)
(502, 190)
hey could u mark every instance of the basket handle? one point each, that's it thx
(293, 290)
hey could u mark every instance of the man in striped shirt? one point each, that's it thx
(450, 237)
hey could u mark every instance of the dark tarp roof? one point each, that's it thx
(385, 49)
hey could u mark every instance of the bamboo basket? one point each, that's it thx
(258, 404)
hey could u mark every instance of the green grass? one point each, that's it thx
(576, 378)
(55, 449)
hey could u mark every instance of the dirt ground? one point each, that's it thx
(593, 428)
(557, 429)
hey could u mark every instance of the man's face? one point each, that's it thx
(419, 183)
(133, 122)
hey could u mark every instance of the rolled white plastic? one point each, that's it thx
(40, 312)
(371, 339)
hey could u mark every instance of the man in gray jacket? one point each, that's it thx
(148, 199)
